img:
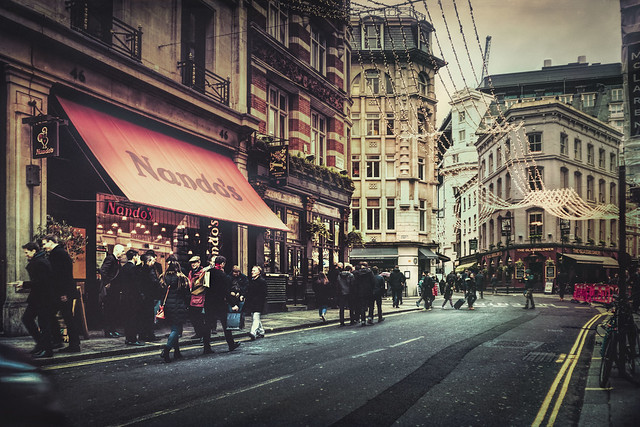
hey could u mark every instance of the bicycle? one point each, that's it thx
(621, 342)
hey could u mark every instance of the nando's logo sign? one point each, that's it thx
(200, 183)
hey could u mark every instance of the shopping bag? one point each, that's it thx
(233, 321)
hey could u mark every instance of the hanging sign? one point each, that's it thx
(279, 164)
(45, 139)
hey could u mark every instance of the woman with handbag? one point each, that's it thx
(256, 298)
(175, 306)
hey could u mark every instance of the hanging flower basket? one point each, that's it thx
(317, 228)
(68, 237)
(354, 238)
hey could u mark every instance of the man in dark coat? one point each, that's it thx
(109, 297)
(216, 297)
(528, 287)
(378, 291)
(132, 298)
(345, 285)
(396, 282)
(40, 302)
(480, 283)
(151, 291)
(65, 289)
(364, 281)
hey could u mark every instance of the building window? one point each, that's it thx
(535, 178)
(535, 142)
(390, 125)
(462, 116)
(318, 51)
(616, 95)
(588, 100)
(355, 130)
(483, 170)
(613, 232)
(601, 191)
(372, 36)
(499, 188)
(564, 144)
(507, 150)
(355, 219)
(373, 214)
(421, 168)
(373, 125)
(491, 189)
(278, 26)
(373, 166)
(564, 177)
(197, 45)
(590, 224)
(492, 232)
(278, 109)
(462, 135)
(498, 157)
(612, 193)
(590, 160)
(423, 84)
(602, 229)
(490, 163)
(372, 82)
(613, 162)
(423, 215)
(590, 194)
(577, 183)
(391, 214)
(355, 166)
(507, 186)
(535, 225)
(601, 159)
(319, 137)
(577, 149)
(615, 109)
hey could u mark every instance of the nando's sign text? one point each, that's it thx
(115, 208)
(200, 183)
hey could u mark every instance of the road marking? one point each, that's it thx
(405, 342)
(366, 353)
(199, 402)
(561, 358)
(567, 367)
(598, 388)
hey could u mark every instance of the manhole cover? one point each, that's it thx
(537, 356)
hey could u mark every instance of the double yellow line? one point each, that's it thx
(567, 368)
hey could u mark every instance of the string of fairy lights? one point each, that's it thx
(519, 161)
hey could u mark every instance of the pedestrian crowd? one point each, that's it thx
(137, 293)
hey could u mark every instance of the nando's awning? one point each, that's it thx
(159, 170)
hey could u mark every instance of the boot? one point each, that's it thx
(165, 354)
(207, 349)
(176, 354)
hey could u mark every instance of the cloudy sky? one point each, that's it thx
(524, 33)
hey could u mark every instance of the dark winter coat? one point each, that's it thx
(150, 283)
(239, 286)
(322, 290)
(396, 279)
(62, 273)
(175, 307)
(109, 272)
(42, 293)
(256, 295)
(378, 285)
(130, 281)
(216, 296)
(345, 283)
(364, 281)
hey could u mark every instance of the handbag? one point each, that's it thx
(197, 300)
(233, 321)
(160, 313)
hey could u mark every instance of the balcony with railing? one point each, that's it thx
(106, 28)
(204, 81)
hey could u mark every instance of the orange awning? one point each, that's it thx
(159, 170)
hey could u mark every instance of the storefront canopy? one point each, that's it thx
(603, 261)
(463, 267)
(159, 170)
(426, 253)
(373, 253)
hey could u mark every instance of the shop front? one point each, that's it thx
(125, 181)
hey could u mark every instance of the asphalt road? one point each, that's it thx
(492, 366)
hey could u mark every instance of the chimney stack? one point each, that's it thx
(547, 63)
(582, 59)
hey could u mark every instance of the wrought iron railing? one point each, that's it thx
(204, 81)
(109, 30)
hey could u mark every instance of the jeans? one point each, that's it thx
(176, 331)
(256, 325)
(322, 310)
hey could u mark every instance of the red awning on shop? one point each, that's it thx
(159, 170)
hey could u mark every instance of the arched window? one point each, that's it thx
(499, 188)
(355, 85)
(490, 164)
(507, 186)
(423, 84)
